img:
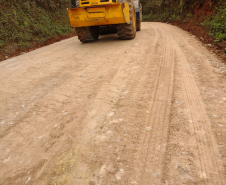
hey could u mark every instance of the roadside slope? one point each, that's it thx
(29, 24)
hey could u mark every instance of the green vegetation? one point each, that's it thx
(162, 10)
(183, 10)
(216, 24)
(26, 22)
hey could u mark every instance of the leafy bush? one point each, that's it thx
(216, 24)
(175, 17)
(189, 15)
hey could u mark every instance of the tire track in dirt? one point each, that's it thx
(208, 154)
(163, 87)
(155, 135)
(192, 155)
(132, 108)
(55, 110)
(120, 96)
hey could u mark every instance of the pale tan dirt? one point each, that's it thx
(148, 111)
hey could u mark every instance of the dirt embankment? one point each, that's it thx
(194, 26)
(203, 35)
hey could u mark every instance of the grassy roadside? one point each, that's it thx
(28, 23)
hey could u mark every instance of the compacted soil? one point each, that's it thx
(148, 111)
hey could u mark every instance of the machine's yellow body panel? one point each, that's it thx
(96, 12)
(86, 3)
(99, 15)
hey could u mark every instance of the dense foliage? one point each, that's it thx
(184, 10)
(24, 22)
(216, 23)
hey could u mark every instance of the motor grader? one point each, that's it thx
(89, 17)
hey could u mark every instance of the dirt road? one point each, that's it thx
(148, 111)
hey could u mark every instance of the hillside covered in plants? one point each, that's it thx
(209, 14)
(26, 23)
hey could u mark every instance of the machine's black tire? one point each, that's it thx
(87, 34)
(73, 3)
(138, 25)
(128, 31)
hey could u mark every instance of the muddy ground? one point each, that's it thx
(148, 111)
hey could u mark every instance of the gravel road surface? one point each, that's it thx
(148, 111)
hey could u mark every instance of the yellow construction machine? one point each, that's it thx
(88, 17)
